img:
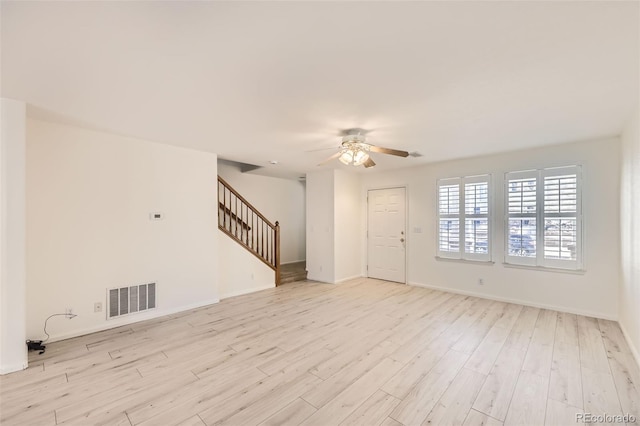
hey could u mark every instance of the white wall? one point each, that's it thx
(239, 272)
(281, 200)
(89, 196)
(630, 231)
(592, 293)
(334, 226)
(13, 350)
(320, 226)
(348, 226)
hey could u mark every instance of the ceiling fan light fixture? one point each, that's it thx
(354, 150)
(346, 157)
(353, 154)
(360, 157)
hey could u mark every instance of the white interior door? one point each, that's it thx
(386, 242)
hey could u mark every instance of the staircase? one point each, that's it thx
(248, 227)
(292, 272)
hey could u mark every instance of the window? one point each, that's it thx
(544, 218)
(463, 218)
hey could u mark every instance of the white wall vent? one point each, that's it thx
(129, 300)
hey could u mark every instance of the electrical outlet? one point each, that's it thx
(97, 307)
(480, 281)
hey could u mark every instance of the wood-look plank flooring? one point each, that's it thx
(365, 352)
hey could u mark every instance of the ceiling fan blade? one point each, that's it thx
(369, 163)
(334, 156)
(390, 151)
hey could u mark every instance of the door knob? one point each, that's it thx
(402, 240)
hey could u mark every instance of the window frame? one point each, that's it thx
(462, 216)
(540, 261)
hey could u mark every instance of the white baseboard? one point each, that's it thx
(246, 291)
(320, 280)
(131, 320)
(12, 368)
(518, 301)
(341, 280)
(632, 346)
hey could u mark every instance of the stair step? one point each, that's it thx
(292, 272)
(290, 277)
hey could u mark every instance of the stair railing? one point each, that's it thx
(248, 227)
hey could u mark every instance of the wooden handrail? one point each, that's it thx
(240, 197)
(241, 221)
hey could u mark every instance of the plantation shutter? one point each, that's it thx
(464, 218)
(544, 218)
(562, 217)
(449, 218)
(476, 218)
(522, 217)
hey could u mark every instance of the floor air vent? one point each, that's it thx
(129, 300)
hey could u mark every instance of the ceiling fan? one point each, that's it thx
(354, 150)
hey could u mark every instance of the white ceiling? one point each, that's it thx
(262, 81)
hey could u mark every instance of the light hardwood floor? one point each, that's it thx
(365, 352)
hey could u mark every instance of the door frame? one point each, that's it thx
(406, 225)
